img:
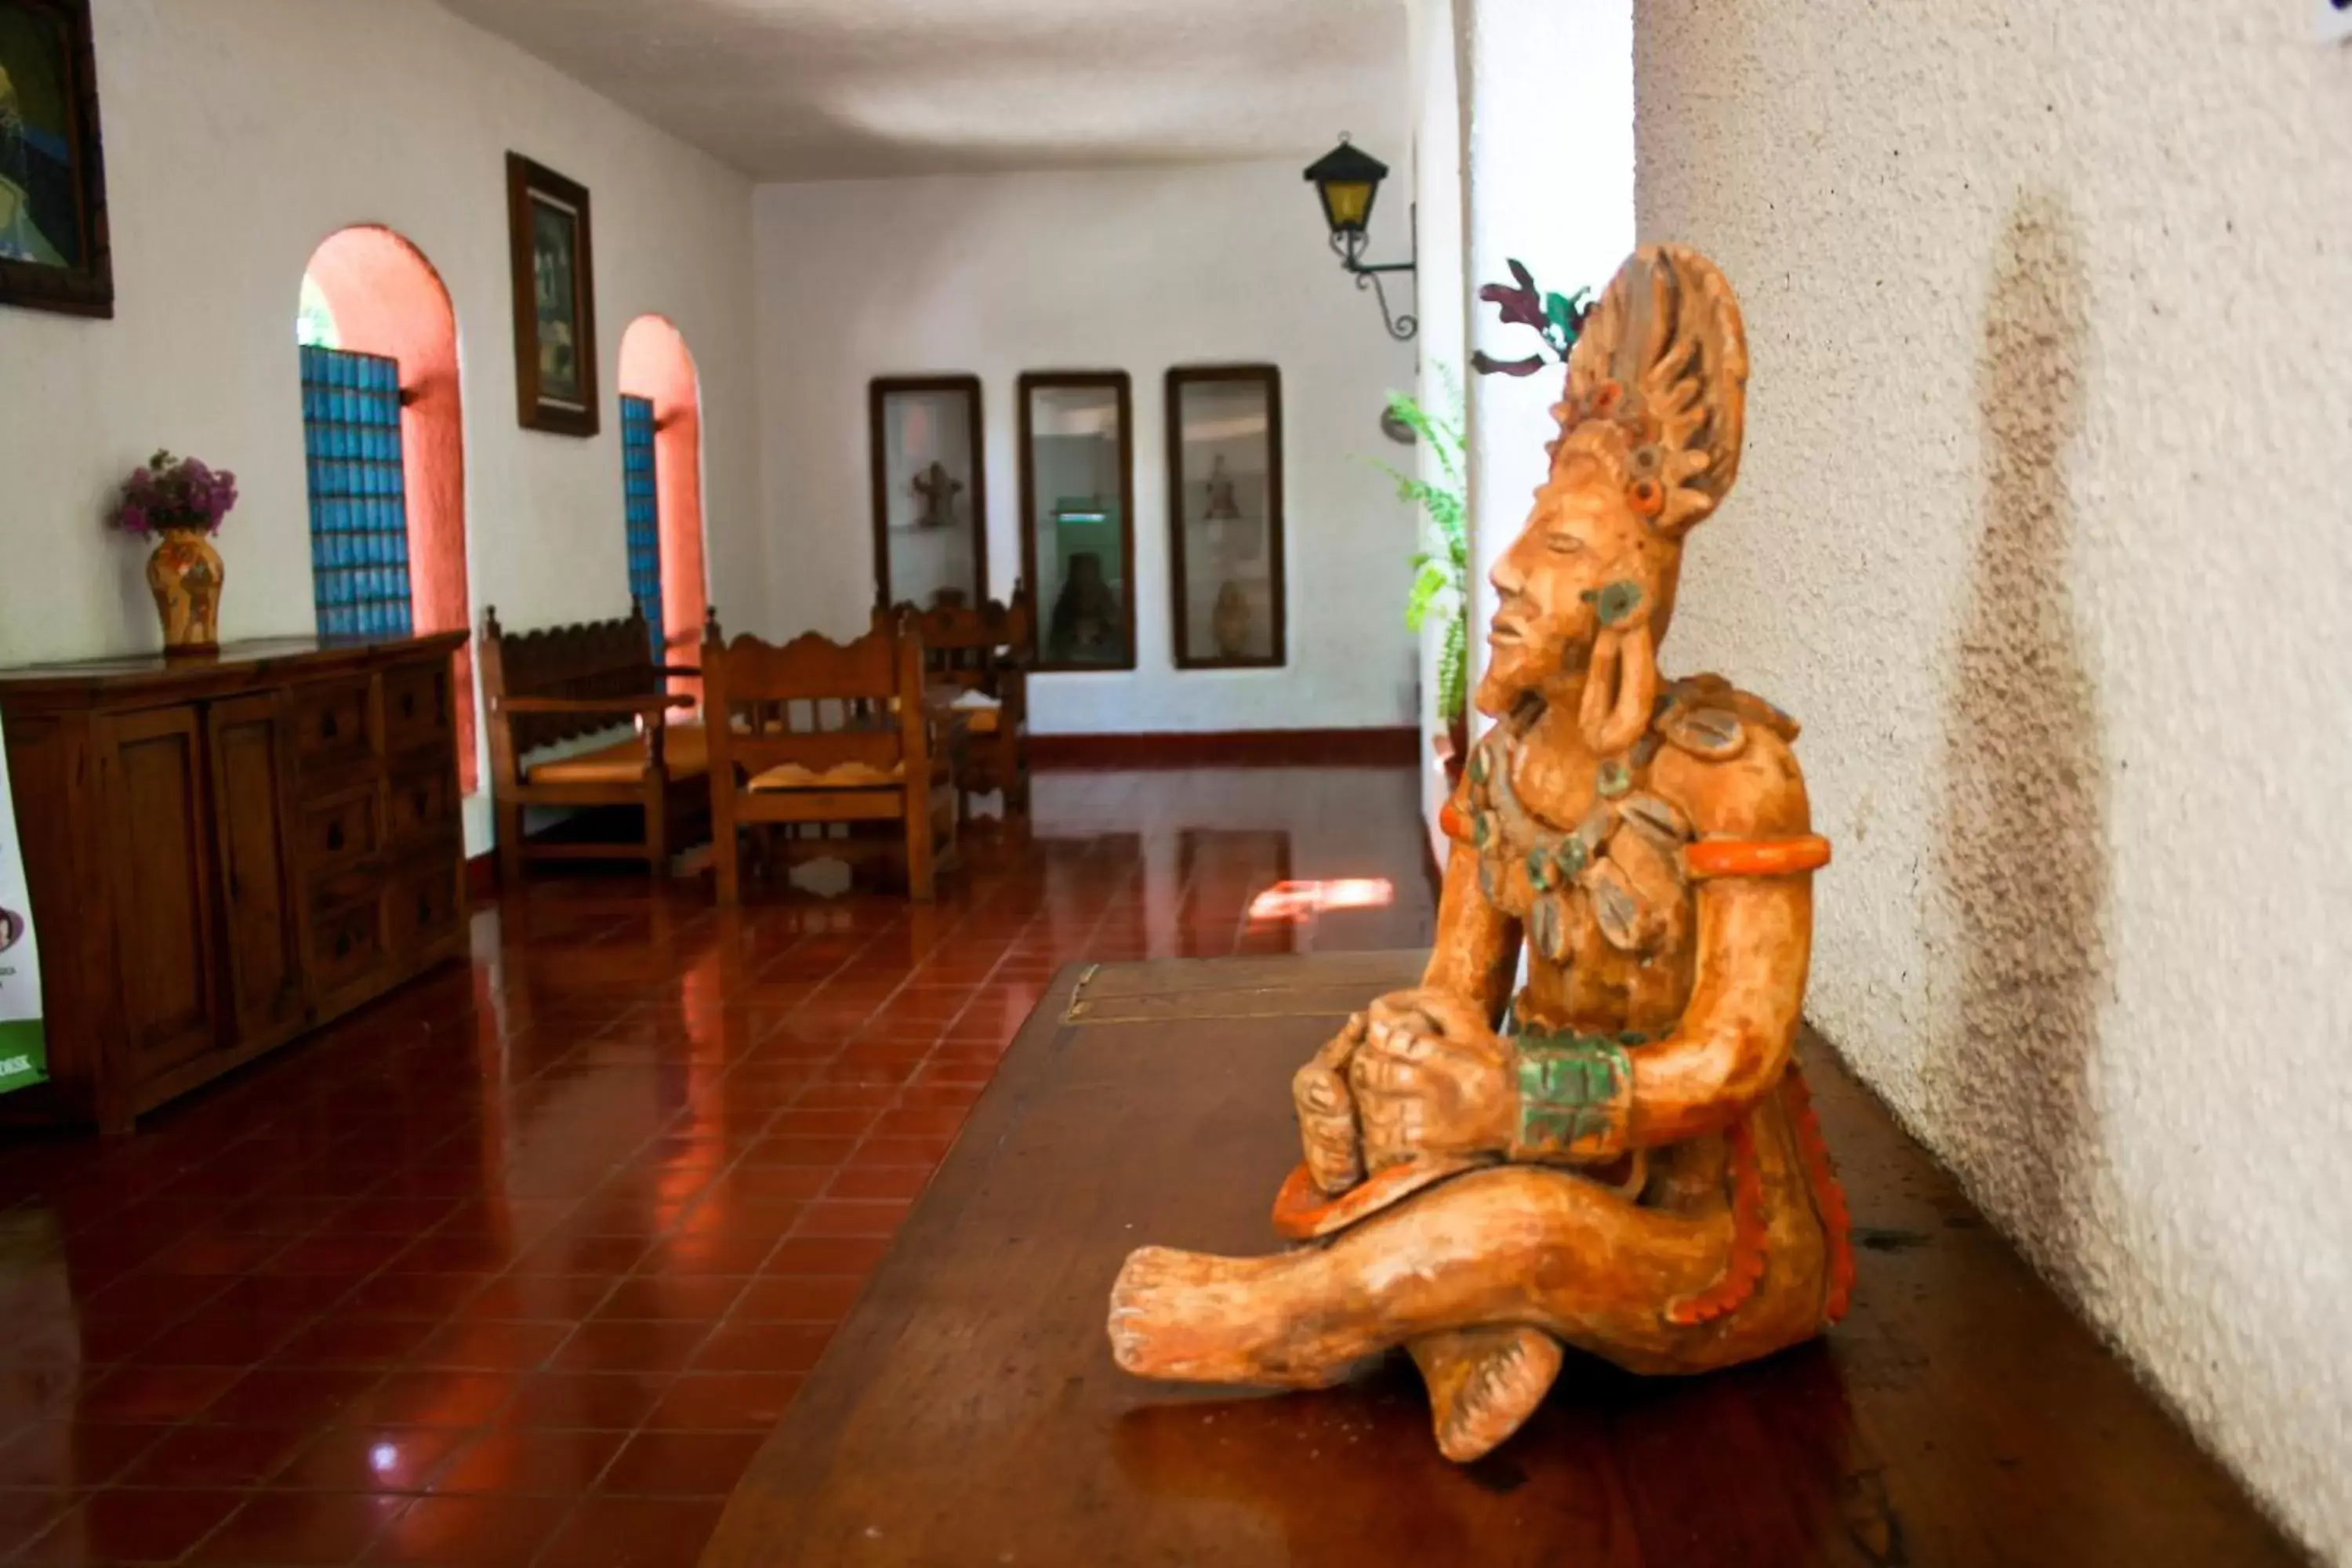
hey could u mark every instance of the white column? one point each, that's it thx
(1437, 243)
(1547, 92)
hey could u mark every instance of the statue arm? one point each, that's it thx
(1755, 938)
(1588, 1099)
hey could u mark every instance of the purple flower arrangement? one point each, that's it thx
(174, 492)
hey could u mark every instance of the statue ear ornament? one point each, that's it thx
(1621, 686)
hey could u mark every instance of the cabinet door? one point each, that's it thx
(251, 774)
(158, 864)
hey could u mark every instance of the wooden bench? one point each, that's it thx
(544, 689)
(816, 733)
(986, 650)
(969, 1413)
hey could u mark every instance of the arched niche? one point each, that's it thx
(656, 366)
(381, 296)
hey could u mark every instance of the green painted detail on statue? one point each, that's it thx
(1613, 779)
(1574, 1092)
(1573, 855)
(24, 1055)
(1613, 603)
(1539, 872)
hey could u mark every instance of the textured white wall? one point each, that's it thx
(994, 274)
(2040, 533)
(239, 133)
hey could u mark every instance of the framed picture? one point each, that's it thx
(1225, 516)
(54, 250)
(931, 491)
(554, 299)
(1078, 517)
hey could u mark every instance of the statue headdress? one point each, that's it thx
(1657, 387)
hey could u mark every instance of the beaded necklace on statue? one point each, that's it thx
(1621, 866)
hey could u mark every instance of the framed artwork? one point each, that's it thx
(54, 250)
(931, 491)
(1078, 517)
(554, 299)
(1225, 516)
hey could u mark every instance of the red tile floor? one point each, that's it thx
(519, 1266)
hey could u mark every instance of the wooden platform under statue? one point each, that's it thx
(969, 1411)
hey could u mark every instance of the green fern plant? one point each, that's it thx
(1441, 583)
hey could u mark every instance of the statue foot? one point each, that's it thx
(1484, 1383)
(1191, 1316)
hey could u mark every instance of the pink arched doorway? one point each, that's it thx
(385, 299)
(656, 366)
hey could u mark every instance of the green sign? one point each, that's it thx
(24, 1058)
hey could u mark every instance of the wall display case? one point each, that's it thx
(1225, 516)
(931, 491)
(1078, 517)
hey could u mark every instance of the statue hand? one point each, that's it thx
(1431, 1077)
(1327, 1113)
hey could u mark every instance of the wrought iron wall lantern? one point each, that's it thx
(1347, 179)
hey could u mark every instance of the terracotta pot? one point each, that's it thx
(1229, 622)
(185, 574)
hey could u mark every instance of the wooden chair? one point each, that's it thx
(987, 650)
(818, 732)
(541, 689)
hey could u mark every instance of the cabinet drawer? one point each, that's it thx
(332, 724)
(339, 831)
(422, 807)
(416, 711)
(346, 942)
(423, 907)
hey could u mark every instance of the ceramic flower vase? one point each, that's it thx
(185, 574)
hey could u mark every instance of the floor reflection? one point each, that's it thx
(521, 1263)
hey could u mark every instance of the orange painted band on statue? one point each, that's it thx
(1712, 857)
(1302, 1212)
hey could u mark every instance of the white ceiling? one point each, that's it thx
(794, 90)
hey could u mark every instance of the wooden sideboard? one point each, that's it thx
(225, 853)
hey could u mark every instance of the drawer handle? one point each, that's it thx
(425, 908)
(342, 944)
(335, 836)
(422, 799)
(408, 705)
(328, 728)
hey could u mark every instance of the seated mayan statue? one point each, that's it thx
(1624, 1161)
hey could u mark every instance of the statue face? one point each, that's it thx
(1584, 550)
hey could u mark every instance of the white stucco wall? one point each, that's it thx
(239, 133)
(2040, 532)
(1135, 270)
